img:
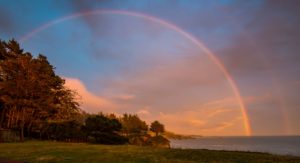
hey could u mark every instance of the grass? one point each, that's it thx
(43, 151)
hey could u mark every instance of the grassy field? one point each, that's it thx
(38, 151)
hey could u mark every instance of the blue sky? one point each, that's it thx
(129, 64)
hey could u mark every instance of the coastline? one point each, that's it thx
(279, 145)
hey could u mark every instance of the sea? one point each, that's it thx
(282, 145)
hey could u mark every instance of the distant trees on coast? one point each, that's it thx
(35, 103)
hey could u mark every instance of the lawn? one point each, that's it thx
(43, 151)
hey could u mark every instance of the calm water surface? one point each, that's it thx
(284, 145)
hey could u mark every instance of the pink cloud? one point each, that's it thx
(89, 101)
(219, 117)
(209, 120)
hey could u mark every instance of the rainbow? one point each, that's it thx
(168, 25)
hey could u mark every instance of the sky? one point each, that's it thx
(202, 67)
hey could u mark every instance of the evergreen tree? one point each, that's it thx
(30, 90)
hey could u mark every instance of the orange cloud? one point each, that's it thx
(220, 117)
(143, 112)
(260, 98)
(125, 97)
(89, 102)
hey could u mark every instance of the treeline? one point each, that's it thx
(105, 129)
(35, 103)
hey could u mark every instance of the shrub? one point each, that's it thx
(103, 130)
(159, 141)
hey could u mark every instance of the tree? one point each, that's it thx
(132, 124)
(157, 127)
(104, 129)
(16, 84)
(30, 91)
(64, 131)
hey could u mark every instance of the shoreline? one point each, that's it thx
(245, 151)
(278, 145)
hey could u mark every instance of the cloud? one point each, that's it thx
(225, 125)
(197, 122)
(6, 21)
(263, 57)
(90, 102)
(217, 112)
(267, 97)
(169, 84)
(194, 122)
(143, 112)
(220, 117)
(125, 97)
(269, 39)
(257, 41)
(206, 119)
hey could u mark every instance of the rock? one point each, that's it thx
(159, 141)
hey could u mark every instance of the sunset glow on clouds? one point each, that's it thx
(216, 117)
(125, 64)
(89, 101)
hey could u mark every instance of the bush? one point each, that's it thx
(141, 140)
(159, 141)
(103, 130)
(65, 131)
(106, 138)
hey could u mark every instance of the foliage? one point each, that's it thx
(134, 129)
(102, 123)
(30, 91)
(133, 125)
(140, 140)
(35, 103)
(159, 141)
(157, 127)
(64, 131)
(104, 130)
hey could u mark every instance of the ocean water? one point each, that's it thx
(283, 145)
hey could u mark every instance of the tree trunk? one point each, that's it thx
(22, 126)
(9, 118)
(22, 133)
(29, 129)
(2, 117)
